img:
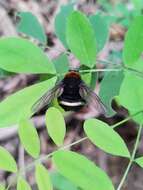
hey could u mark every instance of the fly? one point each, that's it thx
(72, 95)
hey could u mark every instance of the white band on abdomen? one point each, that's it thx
(71, 103)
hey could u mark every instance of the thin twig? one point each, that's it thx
(138, 73)
(44, 158)
(131, 160)
(41, 159)
(21, 159)
(99, 70)
(126, 119)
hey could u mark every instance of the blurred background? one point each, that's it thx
(120, 14)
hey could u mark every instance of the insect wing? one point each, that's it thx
(47, 98)
(91, 98)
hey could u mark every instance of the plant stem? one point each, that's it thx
(44, 158)
(104, 61)
(138, 73)
(126, 119)
(94, 71)
(132, 159)
(99, 70)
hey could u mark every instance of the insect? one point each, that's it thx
(72, 95)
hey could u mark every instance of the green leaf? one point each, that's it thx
(61, 64)
(7, 162)
(22, 56)
(138, 4)
(133, 45)
(18, 106)
(104, 137)
(139, 161)
(89, 78)
(32, 144)
(86, 77)
(94, 77)
(131, 92)
(55, 125)
(4, 74)
(23, 185)
(56, 104)
(81, 38)
(60, 22)
(81, 171)
(42, 178)
(101, 29)
(61, 183)
(109, 88)
(30, 26)
(2, 187)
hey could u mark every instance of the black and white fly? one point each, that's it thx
(72, 95)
